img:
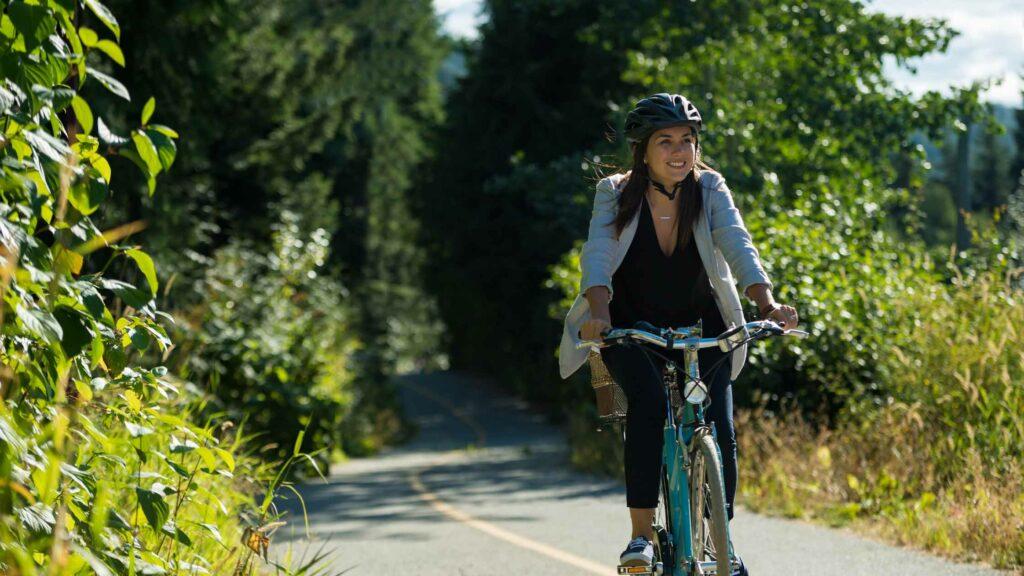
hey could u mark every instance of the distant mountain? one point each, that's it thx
(1004, 115)
(453, 67)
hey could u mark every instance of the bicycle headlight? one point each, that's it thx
(695, 391)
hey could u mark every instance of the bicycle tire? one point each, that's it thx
(708, 518)
(663, 528)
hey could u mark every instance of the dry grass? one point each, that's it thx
(937, 460)
(876, 480)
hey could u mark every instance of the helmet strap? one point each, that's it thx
(661, 187)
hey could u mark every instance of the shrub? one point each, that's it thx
(249, 341)
(102, 466)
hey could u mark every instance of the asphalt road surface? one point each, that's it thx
(486, 489)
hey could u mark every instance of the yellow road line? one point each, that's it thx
(478, 430)
(450, 511)
(502, 534)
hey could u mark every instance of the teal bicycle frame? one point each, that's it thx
(675, 465)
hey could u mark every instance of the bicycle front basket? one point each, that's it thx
(611, 400)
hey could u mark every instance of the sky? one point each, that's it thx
(991, 42)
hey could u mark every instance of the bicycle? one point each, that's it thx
(691, 524)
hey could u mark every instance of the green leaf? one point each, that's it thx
(214, 532)
(180, 536)
(93, 302)
(40, 323)
(140, 339)
(110, 83)
(102, 166)
(84, 391)
(166, 131)
(298, 443)
(66, 261)
(97, 565)
(208, 458)
(58, 97)
(153, 506)
(107, 136)
(53, 148)
(145, 264)
(34, 23)
(159, 335)
(88, 36)
(47, 72)
(226, 457)
(7, 27)
(147, 110)
(70, 32)
(38, 517)
(177, 468)
(105, 16)
(147, 152)
(83, 113)
(165, 147)
(132, 296)
(182, 446)
(133, 400)
(75, 331)
(111, 49)
(96, 352)
(87, 195)
(115, 359)
(135, 430)
(21, 149)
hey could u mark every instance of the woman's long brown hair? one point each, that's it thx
(691, 201)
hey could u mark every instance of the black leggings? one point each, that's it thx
(645, 420)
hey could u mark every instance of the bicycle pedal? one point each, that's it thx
(648, 569)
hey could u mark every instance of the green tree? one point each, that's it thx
(991, 178)
(309, 108)
(497, 208)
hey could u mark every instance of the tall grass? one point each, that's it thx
(938, 462)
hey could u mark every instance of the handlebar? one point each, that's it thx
(676, 339)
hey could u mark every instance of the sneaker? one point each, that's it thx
(639, 552)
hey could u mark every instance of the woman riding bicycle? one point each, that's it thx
(665, 239)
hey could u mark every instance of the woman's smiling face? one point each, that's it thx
(670, 153)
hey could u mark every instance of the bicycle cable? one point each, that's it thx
(711, 371)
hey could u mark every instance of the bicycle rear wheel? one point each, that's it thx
(708, 518)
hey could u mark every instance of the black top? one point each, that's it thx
(665, 291)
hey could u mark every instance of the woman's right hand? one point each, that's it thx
(594, 328)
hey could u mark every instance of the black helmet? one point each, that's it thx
(660, 111)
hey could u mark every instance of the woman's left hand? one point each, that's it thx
(785, 315)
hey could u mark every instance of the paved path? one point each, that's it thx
(510, 505)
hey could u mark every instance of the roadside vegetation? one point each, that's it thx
(161, 391)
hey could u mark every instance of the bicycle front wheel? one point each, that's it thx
(708, 518)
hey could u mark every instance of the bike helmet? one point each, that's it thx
(660, 111)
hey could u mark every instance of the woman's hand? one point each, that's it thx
(594, 328)
(786, 316)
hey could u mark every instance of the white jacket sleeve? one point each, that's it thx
(732, 238)
(599, 249)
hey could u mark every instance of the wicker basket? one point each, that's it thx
(611, 400)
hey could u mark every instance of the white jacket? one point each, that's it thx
(722, 241)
